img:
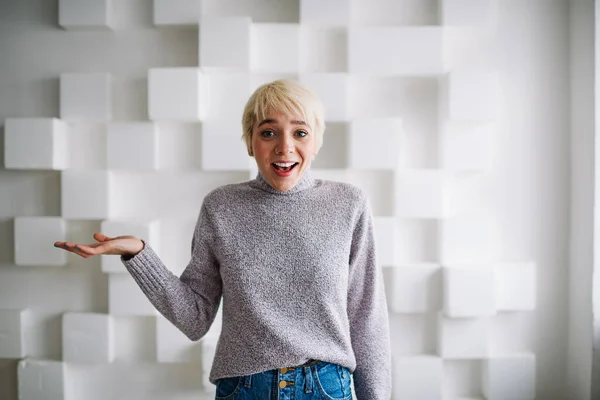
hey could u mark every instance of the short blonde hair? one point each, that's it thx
(283, 96)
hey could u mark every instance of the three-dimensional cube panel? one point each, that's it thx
(268, 39)
(330, 13)
(227, 96)
(392, 51)
(172, 346)
(471, 95)
(418, 377)
(222, 146)
(333, 89)
(225, 43)
(375, 143)
(425, 194)
(464, 240)
(87, 338)
(466, 146)
(177, 12)
(132, 145)
(147, 231)
(509, 377)
(516, 286)
(386, 240)
(85, 96)
(323, 49)
(41, 380)
(13, 328)
(413, 288)
(34, 238)
(85, 14)
(465, 12)
(176, 94)
(85, 194)
(469, 291)
(125, 297)
(463, 338)
(36, 143)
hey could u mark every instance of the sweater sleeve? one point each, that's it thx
(368, 315)
(191, 301)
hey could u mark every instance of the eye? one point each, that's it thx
(267, 133)
(302, 133)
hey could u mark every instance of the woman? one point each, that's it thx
(293, 259)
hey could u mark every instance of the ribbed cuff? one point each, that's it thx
(148, 269)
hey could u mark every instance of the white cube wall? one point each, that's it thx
(34, 238)
(85, 96)
(148, 231)
(414, 288)
(177, 12)
(471, 95)
(466, 240)
(465, 12)
(225, 43)
(87, 338)
(516, 288)
(85, 14)
(333, 89)
(223, 148)
(388, 51)
(509, 377)
(229, 93)
(329, 13)
(466, 147)
(132, 145)
(463, 338)
(418, 377)
(176, 94)
(386, 240)
(13, 328)
(172, 346)
(268, 39)
(375, 143)
(85, 194)
(36, 143)
(469, 291)
(125, 297)
(425, 194)
(41, 380)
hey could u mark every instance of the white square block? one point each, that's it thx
(228, 94)
(34, 238)
(333, 89)
(275, 48)
(14, 325)
(85, 194)
(469, 291)
(41, 380)
(36, 143)
(466, 146)
(413, 288)
(125, 297)
(148, 231)
(172, 346)
(471, 95)
(375, 143)
(463, 338)
(467, 240)
(515, 286)
(225, 43)
(465, 12)
(223, 148)
(330, 13)
(85, 96)
(132, 145)
(323, 49)
(176, 94)
(87, 338)
(177, 12)
(85, 14)
(509, 377)
(386, 240)
(395, 50)
(425, 194)
(418, 377)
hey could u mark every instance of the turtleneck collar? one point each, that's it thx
(305, 182)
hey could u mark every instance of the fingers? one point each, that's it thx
(80, 250)
(101, 237)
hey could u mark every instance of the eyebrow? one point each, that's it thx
(273, 121)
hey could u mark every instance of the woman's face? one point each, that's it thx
(283, 147)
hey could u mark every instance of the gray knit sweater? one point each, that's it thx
(298, 276)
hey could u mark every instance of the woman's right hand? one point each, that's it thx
(120, 245)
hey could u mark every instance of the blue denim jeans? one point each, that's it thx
(315, 380)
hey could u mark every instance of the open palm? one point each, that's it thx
(121, 245)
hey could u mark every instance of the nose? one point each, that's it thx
(285, 145)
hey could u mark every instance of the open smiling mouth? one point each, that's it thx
(284, 167)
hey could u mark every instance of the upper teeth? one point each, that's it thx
(284, 165)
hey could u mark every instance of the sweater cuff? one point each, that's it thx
(146, 265)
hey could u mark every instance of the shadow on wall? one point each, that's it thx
(8, 379)
(7, 243)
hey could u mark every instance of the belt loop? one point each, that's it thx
(248, 381)
(308, 380)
